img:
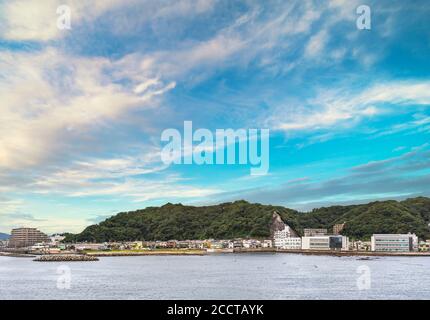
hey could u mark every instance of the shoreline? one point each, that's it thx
(146, 253)
(257, 251)
(16, 255)
(180, 252)
(356, 253)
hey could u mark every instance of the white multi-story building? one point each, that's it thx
(292, 243)
(325, 243)
(282, 234)
(283, 240)
(394, 242)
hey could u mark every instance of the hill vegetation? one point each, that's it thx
(241, 219)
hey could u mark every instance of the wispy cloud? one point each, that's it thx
(340, 107)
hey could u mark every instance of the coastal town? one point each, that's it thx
(285, 239)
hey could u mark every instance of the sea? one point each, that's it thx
(219, 276)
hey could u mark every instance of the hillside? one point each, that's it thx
(241, 219)
(4, 236)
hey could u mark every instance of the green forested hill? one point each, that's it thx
(241, 219)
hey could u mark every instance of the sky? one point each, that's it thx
(82, 110)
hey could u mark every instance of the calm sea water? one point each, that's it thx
(231, 276)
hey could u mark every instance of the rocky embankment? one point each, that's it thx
(65, 258)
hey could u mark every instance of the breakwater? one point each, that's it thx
(65, 258)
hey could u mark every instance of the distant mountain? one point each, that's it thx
(4, 236)
(241, 219)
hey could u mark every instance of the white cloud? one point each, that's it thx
(316, 44)
(49, 93)
(336, 107)
(29, 20)
(37, 21)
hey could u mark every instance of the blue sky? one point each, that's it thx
(82, 110)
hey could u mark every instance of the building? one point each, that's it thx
(217, 245)
(285, 239)
(27, 237)
(284, 233)
(325, 243)
(359, 245)
(267, 244)
(337, 228)
(56, 239)
(292, 243)
(314, 232)
(90, 246)
(394, 242)
(251, 244)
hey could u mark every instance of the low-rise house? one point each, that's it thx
(251, 244)
(198, 244)
(237, 244)
(360, 245)
(136, 245)
(267, 244)
(171, 244)
(183, 244)
(217, 245)
(90, 246)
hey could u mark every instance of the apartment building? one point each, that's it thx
(27, 237)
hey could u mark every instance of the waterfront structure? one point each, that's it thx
(292, 243)
(337, 228)
(325, 243)
(394, 242)
(26, 237)
(312, 232)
